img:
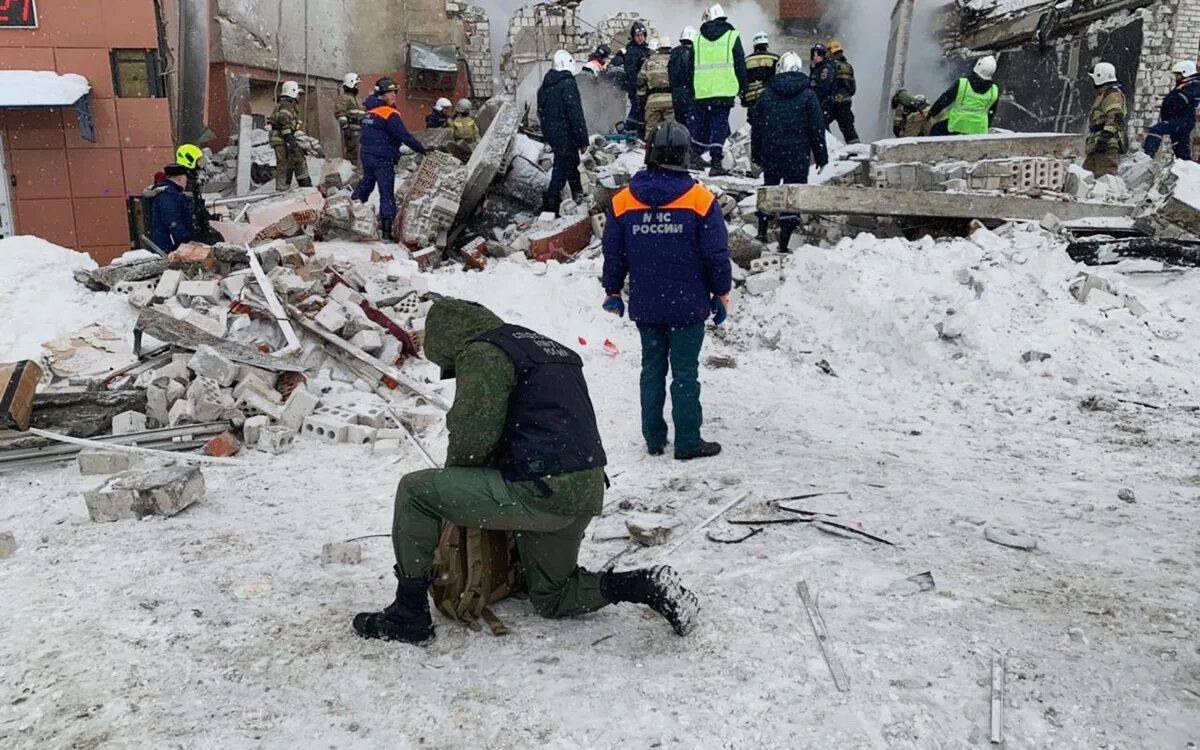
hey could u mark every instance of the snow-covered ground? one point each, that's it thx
(220, 627)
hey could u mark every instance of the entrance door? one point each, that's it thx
(6, 222)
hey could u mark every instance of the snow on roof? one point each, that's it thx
(40, 88)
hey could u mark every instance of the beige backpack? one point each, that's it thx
(473, 568)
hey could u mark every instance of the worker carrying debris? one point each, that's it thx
(1107, 138)
(634, 58)
(170, 215)
(290, 159)
(463, 127)
(560, 112)
(525, 456)
(654, 85)
(788, 137)
(350, 113)
(719, 80)
(188, 156)
(383, 136)
(682, 71)
(439, 117)
(910, 114)
(1177, 116)
(839, 107)
(969, 104)
(666, 234)
(760, 68)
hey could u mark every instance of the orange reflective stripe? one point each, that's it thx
(624, 202)
(698, 199)
(384, 111)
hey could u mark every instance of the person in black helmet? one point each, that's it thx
(636, 55)
(383, 133)
(666, 235)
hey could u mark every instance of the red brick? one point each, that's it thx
(192, 255)
(222, 446)
(564, 243)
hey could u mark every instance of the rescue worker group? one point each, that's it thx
(525, 465)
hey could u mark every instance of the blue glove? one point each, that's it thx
(615, 305)
(718, 309)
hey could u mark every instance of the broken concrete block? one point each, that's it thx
(1032, 356)
(345, 296)
(222, 446)
(208, 363)
(387, 446)
(153, 492)
(205, 289)
(325, 428)
(174, 371)
(298, 406)
(1105, 300)
(181, 413)
(369, 341)
(233, 285)
(1135, 307)
(253, 428)
(650, 529)
(1083, 287)
(157, 406)
(761, 283)
(254, 384)
(128, 422)
(357, 434)
(276, 440)
(341, 553)
(207, 323)
(168, 284)
(93, 461)
(265, 376)
(8, 544)
(207, 400)
(332, 317)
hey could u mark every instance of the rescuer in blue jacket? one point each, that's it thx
(666, 234)
(1177, 117)
(383, 133)
(170, 214)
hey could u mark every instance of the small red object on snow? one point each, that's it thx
(582, 341)
(378, 257)
(222, 446)
(610, 348)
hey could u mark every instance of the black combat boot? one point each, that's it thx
(385, 228)
(407, 619)
(785, 238)
(658, 588)
(704, 450)
(551, 205)
(306, 182)
(764, 223)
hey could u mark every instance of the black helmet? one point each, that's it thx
(818, 49)
(384, 85)
(602, 52)
(638, 28)
(670, 147)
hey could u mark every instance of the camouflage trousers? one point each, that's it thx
(659, 109)
(290, 162)
(1102, 163)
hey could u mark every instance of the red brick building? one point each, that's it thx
(58, 184)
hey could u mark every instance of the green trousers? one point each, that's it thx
(547, 543)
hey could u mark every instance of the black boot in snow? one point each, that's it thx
(385, 228)
(785, 239)
(407, 619)
(306, 182)
(551, 205)
(704, 450)
(658, 588)
(764, 224)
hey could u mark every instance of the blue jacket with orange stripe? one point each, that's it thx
(383, 131)
(666, 234)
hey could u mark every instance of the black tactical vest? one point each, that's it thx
(551, 425)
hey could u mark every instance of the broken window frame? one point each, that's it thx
(122, 88)
(430, 79)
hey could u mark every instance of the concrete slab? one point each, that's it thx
(978, 147)
(137, 494)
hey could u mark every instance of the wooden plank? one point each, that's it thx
(824, 640)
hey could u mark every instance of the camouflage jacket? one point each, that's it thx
(285, 122)
(655, 76)
(1106, 121)
(349, 111)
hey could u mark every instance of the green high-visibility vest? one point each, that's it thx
(969, 113)
(716, 77)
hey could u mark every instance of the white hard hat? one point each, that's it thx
(442, 104)
(1185, 68)
(688, 34)
(463, 107)
(986, 67)
(716, 12)
(564, 60)
(790, 62)
(290, 89)
(351, 80)
(1104, 73)
(761, 38)
(664, 42)
(653, 42)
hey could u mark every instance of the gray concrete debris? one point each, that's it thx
(276, 440)
(1126, 495)
(1007, 538)
(137, 494)
(93, 461)
(8, 544)
(341, 553)
(650, 529)
(209, 363)
(979, 148)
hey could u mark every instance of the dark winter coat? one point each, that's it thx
(682, 69)
(714, 30)
(436, 119)
(789, 131)
(635, 56)
(383, 132)
(170, 217)
(948, 97)
(560, 112)
(666, 234)
(824, 81)
(1178, 110)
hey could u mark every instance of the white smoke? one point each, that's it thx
(864, 29)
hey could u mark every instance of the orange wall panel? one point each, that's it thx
(101, 221)
(52, 220)
(129, 23)
(96, 173)
(93, 64)
(141, 164)
(40, 174)
(25, 58)
(144, 122)
(40, 127)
